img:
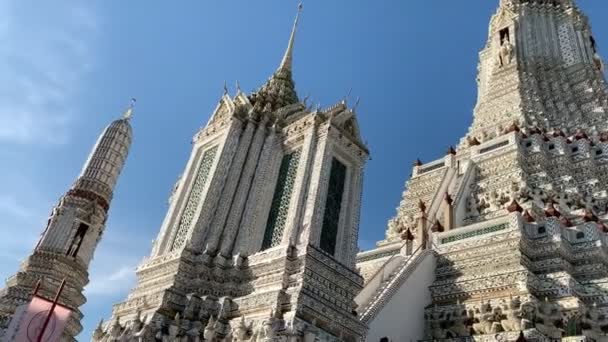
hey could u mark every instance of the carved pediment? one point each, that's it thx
(225, 106)
(347, 121)
(503, 18)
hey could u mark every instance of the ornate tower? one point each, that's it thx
(74, 229)
(527, 187)
(261, 233)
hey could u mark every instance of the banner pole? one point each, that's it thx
(48, 317)
(37, 288)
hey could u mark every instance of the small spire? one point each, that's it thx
(513, 128)
(551, 211)
(590, 216)
(514, 207)
(451, 151)
(521, 337)
(129, 112)
(288, 57)
(448, 199)
(407, 235)
(566, 221)
(473, 141)
(528, 217)
(422, 206)
(225, 87)
(437, 228)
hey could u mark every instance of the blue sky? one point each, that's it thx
(68, 67)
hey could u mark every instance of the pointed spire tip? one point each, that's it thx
(288, 57)
(129, 112)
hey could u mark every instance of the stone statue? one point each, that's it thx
(174, 329)
(588, 201)
(550, 319)
(115, 330)
(539, 197)
(591, 321)
(472, 206)
(192, 308)
(241, 331)
(435, 324)
(496, 318)
(158, 326)
(528, 315)
(124, 337)
(173, 333)
(194, 333)
(210, 330)
(505, 52)
(487, 320)
(98, 333)
(460, 318)
(311, 332)
(565, 202)
(599, 63)
(267, 331)
(145, 334)
(75, 246)
(514, 316)
(227, 338)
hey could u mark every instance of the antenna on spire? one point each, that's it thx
(357, 103)
(129, 112)
(350, 90)
(288, 57)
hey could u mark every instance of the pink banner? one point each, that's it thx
(33, 319)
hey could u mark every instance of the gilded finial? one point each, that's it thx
(129, 112)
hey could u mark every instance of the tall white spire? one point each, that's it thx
(288, 57)
(73, 231)
(279, 90)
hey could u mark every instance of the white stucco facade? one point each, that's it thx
(409, 301)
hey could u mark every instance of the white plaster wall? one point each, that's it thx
(402, 319)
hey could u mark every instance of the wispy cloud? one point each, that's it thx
(120, 280)
(10, 206)
(113, 269)
(43, 57)
(22, 220)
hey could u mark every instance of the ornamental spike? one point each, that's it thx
(288, 57)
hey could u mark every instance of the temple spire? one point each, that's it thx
(286, 63)
(279, 91)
